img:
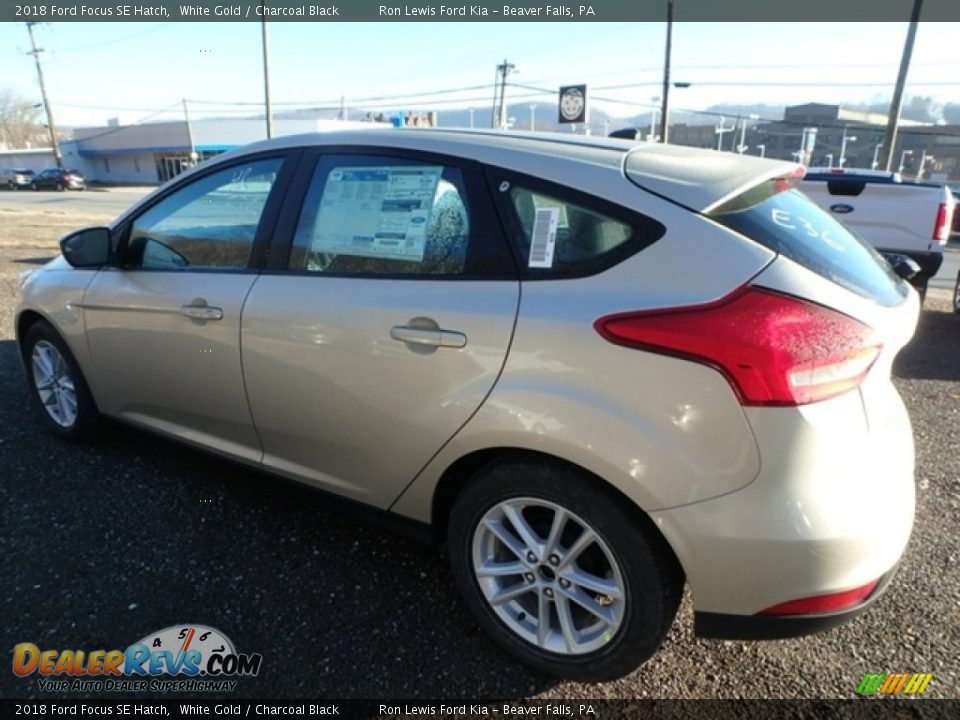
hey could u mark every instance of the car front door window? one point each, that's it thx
(210, 224)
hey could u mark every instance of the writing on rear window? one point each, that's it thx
(792, 221)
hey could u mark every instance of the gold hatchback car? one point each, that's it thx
(597, 370)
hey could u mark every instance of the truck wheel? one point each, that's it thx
(956, 296)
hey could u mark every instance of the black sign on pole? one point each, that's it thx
(573, 104)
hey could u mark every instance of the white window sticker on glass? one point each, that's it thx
(544, 237)
(379, 212)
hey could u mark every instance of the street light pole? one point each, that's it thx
(54, 143)
(533, 117)
(843, 146)
(903, 159)
(763, 150)
(876, 153)
(897, 103)
(720, 130)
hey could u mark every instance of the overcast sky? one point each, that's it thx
(134, 70)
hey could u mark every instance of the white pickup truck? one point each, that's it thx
(893, 215)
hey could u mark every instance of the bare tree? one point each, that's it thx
(20, 124)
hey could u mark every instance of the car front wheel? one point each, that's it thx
(58, 385)
(566, 576)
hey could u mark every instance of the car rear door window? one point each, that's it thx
(384, 216)
(789, 223)
(564, 233)
(209, 224)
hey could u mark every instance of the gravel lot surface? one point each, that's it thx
(103, 544)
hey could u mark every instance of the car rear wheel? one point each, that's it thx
(58, 385)
(34, 187)
(568, 578)
(12, 185)
(59, 187)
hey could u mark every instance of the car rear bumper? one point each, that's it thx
(831, 510)
(723, 626)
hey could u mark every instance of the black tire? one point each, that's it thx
(13, 186)
(956, 296)
(59, 187)
(84, 428)
(33, 186)
(652, 578)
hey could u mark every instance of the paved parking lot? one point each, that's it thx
(104, 544)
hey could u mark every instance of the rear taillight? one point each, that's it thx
(821, 604)
(941, 229)
(774, 349)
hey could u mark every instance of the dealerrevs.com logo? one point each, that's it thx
(197, 658)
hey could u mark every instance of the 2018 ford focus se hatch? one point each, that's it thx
(599, 370)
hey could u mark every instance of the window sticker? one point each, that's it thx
(378, 212)
(544, 237)
(542, 201)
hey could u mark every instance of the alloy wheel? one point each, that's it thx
(55, 386)
(548, 576)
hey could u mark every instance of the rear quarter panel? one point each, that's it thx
(661, 430)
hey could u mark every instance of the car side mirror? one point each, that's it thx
(86, 248)
(904, 266)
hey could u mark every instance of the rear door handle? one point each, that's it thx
(422, 336)
(202, 312)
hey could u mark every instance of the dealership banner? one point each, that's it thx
(478, 11)
(392, 709)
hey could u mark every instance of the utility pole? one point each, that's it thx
(897, 103)
(665, 108)
(266, 76)
(503, 70)
(193, 150)
(54, 143)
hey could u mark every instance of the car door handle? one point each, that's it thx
(423, 336)
(201, 312)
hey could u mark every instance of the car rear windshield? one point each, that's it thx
(789, 223)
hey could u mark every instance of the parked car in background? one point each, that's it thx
(912, 219)
(58, 179)
(594, 369)
(15, 178)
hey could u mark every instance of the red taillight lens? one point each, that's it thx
(941, 229)
(774, 349)
(820, 604)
